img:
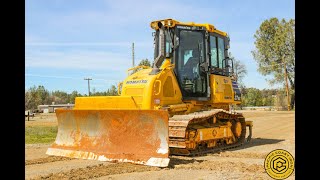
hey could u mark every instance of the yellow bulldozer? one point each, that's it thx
(182, 105)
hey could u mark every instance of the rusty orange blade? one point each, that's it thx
(137, 136)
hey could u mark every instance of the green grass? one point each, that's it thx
(40, 134)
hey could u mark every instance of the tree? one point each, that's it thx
(145, 62)
(35, 96)
(240, 69)
(268, 96)
(73, 96)
(29, 98)
(275, 52)
(280, 99)
(253, 97)
(104, 93)
(113, 91)
(60, 97)
(42, 95)
(243, 91)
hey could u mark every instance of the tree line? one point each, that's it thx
(265, 97)
(35, 96)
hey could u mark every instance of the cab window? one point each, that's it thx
(221, 52)
(213, 51)
(217, 56)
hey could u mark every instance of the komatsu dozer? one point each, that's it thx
(182, 105)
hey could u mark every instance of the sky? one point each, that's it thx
(67, 41)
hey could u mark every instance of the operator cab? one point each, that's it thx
(197, 50)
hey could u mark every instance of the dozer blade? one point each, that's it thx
(137, 136)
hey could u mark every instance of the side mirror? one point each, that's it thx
(227, 43)
(229, 66)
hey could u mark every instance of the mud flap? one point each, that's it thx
(137, 136)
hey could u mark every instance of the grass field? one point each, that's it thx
(40, 134)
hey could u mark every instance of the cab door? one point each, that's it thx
(192, 65)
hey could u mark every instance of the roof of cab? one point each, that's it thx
(172, 23)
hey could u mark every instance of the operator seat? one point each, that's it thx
(191, 63)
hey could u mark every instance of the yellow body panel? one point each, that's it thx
(221, 89)
(213, 133)
(170, 93)
(144, 91)
(139, 91)
(108, 102)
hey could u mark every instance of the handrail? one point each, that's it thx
(137, 67)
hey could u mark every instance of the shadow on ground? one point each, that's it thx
(176, 161)
(254, 142)
(257, 142)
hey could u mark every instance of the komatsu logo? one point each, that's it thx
(183, 27)
(137, 81)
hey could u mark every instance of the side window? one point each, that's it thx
(213, 50)
(221, 52)
(168, 45)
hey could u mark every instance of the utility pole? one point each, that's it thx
(132, 54)
(88, 79)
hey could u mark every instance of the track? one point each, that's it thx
(179, 125)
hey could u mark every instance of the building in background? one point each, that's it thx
(52, 108)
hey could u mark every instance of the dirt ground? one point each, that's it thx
(271, 130)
